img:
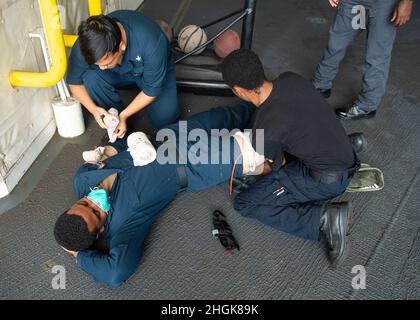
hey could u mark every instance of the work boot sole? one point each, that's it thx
(344, 213)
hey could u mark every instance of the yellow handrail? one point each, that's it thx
(69, 40)
(95, 8)
(56, 44)
(51, 19)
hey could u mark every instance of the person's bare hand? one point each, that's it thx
(267, 168)
(73, 253)
(334, 3)
(121, 129)
(98, 114)
(402, 13)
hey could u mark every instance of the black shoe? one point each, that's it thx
(358, 141)
(334, 224)
(354, 113)
(325, 92)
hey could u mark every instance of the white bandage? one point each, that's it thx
(111, 122)
(252, 161)
(141, 149)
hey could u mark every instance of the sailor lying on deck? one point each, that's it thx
(119, 201)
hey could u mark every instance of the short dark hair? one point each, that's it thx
(72, 233)
(98, 35)
(244, 69)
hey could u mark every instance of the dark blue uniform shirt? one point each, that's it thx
(146, 60)
(138, 195)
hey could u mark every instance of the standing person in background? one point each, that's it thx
(124, 48)
(382, 20)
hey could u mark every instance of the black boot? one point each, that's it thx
(334, 224)
(358, 141)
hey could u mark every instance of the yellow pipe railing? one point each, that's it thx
(56, 44)
(69, 40)
(51, 19)
(95, 8)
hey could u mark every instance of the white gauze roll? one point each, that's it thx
(69, 117)
(111, 122)
(141, 149)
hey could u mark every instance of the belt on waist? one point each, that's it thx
(335, 176)
(331, 176)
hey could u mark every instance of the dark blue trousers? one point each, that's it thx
(380, 40)
(220, 156)
(284, 200)
(102, 87)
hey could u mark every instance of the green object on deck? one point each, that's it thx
(367, 179)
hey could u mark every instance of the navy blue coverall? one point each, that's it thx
(147, 63)
(139, 194)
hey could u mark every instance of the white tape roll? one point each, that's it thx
(69, 117)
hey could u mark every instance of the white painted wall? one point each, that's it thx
(26, 117)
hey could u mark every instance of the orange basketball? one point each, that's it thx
(228, 42)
